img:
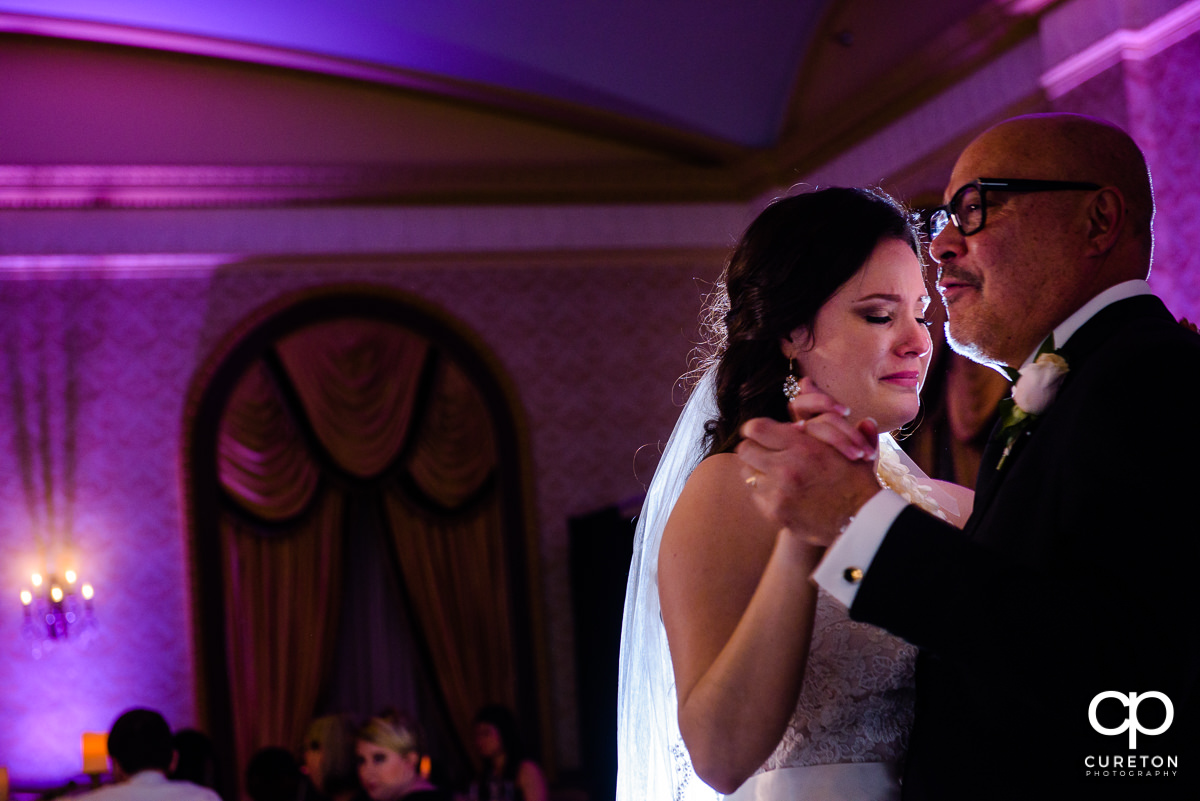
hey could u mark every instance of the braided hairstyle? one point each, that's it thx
(795, 256)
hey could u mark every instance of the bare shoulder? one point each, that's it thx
(532, 781)
(717, 479)
(716, 539)
(715, 501)
(530, 769)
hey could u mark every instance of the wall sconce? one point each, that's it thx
(53, 610)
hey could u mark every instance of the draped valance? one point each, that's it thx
(366, 395)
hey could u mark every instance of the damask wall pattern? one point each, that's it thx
(97, 372)
(593, 351)
(132, 347)
(1166, 115)
(1157, 101)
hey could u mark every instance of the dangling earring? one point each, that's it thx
(791, 384)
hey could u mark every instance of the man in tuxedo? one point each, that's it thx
(1060, 630)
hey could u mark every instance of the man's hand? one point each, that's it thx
(813, 475)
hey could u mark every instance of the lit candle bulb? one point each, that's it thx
(56, 593)
(71, 576)
(36, 578)
(26, 597)
(88, 592)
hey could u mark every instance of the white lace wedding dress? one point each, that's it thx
(848, 733)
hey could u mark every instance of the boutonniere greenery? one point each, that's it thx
(1035, 389)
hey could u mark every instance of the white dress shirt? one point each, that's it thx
(151, 785)
(849, 558)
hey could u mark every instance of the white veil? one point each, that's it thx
(652, 761)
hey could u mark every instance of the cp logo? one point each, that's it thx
(1131, 723)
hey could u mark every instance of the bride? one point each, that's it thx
(736, 675)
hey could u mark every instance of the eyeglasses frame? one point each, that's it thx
(1021, 185)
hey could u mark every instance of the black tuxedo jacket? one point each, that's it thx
(1078, 573)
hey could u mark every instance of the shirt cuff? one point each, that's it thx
(847, 560)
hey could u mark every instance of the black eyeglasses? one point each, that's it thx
(968, 208)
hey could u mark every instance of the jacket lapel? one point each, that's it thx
(1076, 350)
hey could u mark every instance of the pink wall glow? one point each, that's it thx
(1157, 101)
(593, 347)
(131, 347)
(593, 352)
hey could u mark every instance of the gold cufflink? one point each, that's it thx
(853, 574)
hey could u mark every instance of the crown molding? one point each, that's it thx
(1120, 46)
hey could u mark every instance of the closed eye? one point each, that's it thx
(877, 319)
(923, 321)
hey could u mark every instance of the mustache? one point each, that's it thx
(957, 275)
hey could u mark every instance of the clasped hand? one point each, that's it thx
(813, 474)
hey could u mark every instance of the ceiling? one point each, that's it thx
(690, 98)
(675, 62)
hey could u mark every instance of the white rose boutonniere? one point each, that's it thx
(1039, 383)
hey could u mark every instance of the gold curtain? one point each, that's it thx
(358, 383)
(262, 460)
(454, 565)
(281, 595)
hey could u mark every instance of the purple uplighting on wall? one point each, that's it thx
(101, 346)
(89, 454)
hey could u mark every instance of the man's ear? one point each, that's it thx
(1105, 220)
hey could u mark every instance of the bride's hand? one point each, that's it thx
(823, 418)
(802, 483)
(810, 401)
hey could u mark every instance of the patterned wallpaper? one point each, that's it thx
(592, 344)
(111, 449)
(1157, 101)
(593, 351)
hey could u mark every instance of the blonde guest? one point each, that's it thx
(389, 761)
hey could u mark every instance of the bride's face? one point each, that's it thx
(869, 347)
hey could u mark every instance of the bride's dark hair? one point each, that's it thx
(795, 255)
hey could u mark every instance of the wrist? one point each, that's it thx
(799, 547)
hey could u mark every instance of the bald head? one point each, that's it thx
(1037, 255)
(1072, 147)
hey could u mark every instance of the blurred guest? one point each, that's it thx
(196, 761)
(330, 759)
(508, 775)
(389, 761)
(143, 753)
(274, 775)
